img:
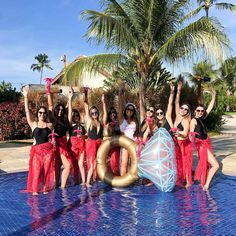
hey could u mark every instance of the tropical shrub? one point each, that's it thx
(13, 123)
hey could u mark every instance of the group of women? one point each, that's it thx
(63, 137)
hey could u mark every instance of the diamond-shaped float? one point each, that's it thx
(157, 161)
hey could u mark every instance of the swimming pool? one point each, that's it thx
(102, 210)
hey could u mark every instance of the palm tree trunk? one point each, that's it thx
(141, 97)
(41, 75)
(199, 92)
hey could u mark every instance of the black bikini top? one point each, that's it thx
(41, 135)
(180, 126)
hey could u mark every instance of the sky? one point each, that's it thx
(54, 27)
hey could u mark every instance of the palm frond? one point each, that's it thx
(225, 6)
(91, 64)
(204, 35)
(191, 14)
(113, 31)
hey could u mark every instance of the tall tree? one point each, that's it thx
(147, 31)
(43, 62)
(228, 75)
(203, 73)
(206, 5)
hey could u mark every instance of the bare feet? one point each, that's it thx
(205, 188)
(45, 192)
(83, 183)
(149, 184)
(188, 185)
(88, 185)
(35, 194)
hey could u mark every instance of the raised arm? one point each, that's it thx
(177, 99)
(121, 102)
(211, 104)
(87, 118)
(70, 95)
(141, 107)
(27, 111)
(170, 105)
(104, 109)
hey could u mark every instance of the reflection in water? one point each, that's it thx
(131, 211)
(40, 209)
(208, 211)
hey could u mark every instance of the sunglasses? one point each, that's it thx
(200, 110)
(152, 111)
(76, 115)
(129, 109)
(159, 113)
(94, 113)
(42, 112)
(184, 108)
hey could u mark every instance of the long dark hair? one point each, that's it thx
(64, 118)
(74, 111)
(112, 110)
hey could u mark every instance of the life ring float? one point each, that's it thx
(103, 172)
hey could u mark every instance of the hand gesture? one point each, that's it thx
(179, 85)
(25, 91)
(213, 92)
(172, 87)
(71, 92)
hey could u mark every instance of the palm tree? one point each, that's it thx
(228, 75)
(43, 61)
(207, 4)
(5, 86)
(203, 72)
(147, 31)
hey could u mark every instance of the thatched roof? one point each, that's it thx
(57, 79)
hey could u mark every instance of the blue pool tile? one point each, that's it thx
(102, 210)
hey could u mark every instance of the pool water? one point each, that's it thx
(102, 210)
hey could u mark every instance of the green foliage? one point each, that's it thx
(214, 121)
(7, 93)
(128, 74)
(13, 123)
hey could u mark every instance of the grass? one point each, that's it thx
(213, 133)
(230, 113)
(25, 141)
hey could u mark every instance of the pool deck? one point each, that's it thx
(14, 156)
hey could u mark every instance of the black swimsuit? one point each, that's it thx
(200, 129)
(92, 133)
(76, 127)
(41, 135)
(60, 129)
(165, 126)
